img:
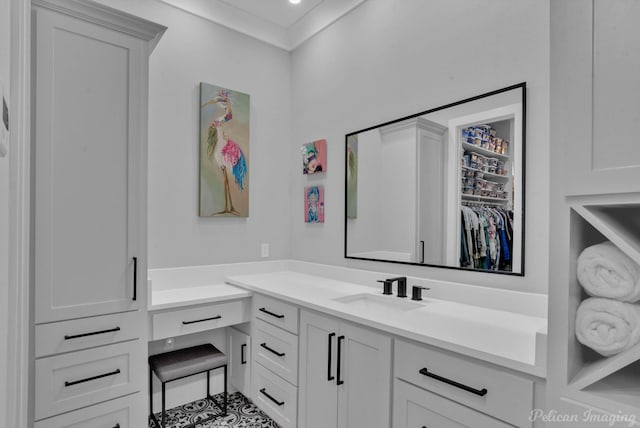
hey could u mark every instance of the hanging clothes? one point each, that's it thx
(486, 237)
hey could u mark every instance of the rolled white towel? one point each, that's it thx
(608, 326)
(605, 271)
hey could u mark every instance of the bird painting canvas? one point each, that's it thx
(224, 152)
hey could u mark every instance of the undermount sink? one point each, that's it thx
(376, 302)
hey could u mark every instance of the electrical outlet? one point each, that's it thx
(169, 343)
(264, 250)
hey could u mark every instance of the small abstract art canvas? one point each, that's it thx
(314, 204)
(352, 176)
(224, 152)
(314, 157)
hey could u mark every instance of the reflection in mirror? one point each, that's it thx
(444, 187)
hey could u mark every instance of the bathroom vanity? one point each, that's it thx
(328, 352)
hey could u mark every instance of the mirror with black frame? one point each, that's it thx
(443, 187)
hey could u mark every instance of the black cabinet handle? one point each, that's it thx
(217, 317)
(135, 278)
(93, 333)
(422, 251)
(339, 381)
(264, 391)
(242, 348)
(279, 354)
(481, 392)
(329, 377)
(75, 382)
(271, 313)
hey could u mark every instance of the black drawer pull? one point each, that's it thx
(329, 376)
(242, 348)
(271, 313)
(481, 392)
(93, 333)
(217, 317)
(279, 403)
(279, 354)
(75, 382)
(339, 381)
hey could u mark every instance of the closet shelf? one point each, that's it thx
(484, 152)
(484, 198)
(487, 174)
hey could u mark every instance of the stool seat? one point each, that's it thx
(186, 362)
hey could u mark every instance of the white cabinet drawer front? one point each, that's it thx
(85, 333)
(277, 350)
(276, 312)
(507, 396)
(70, 381)
(415, 408)
(125, 412)
(275, 397)
(186, 321)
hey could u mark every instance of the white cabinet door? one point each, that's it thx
(364, 390)
(318, 393)
(239, 352)
(595, 76)
(345, 374)
(417, 408)
(88, 163)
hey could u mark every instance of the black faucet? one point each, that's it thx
(402, 285)
(386, 287)
(416, 292)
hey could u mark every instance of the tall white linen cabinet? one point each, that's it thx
(595, 197)
(90, 85)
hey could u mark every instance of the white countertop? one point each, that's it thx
(185, 296)
(500, 337)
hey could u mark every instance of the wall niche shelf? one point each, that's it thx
(614, 379)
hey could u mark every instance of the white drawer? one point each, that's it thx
(275, 397)
(125, 412)
(276, 312)
(186, 321)
(508, 397)
(276, 350)
(84, 333)
(415, 407)
(70, 381)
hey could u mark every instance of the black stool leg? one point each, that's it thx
(163, 406)
(225, 390)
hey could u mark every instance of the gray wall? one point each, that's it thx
(391, 58)
(195, 50)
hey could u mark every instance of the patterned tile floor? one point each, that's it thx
(241, 413)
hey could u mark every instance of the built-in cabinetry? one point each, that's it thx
(239, 351)
(345, 374)
(437, 388)
(595, 196)
(90, 94)
(274, 372)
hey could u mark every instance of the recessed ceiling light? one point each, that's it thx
(294, 1)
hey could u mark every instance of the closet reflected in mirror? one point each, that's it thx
(443, 187)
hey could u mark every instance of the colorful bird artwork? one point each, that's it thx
(225, 153)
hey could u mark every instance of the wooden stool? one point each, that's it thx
(182, 363)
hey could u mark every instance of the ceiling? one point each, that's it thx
(276, 22)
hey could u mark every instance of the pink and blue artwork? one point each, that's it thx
(314, 157)
(314, 204)
(224, 152)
